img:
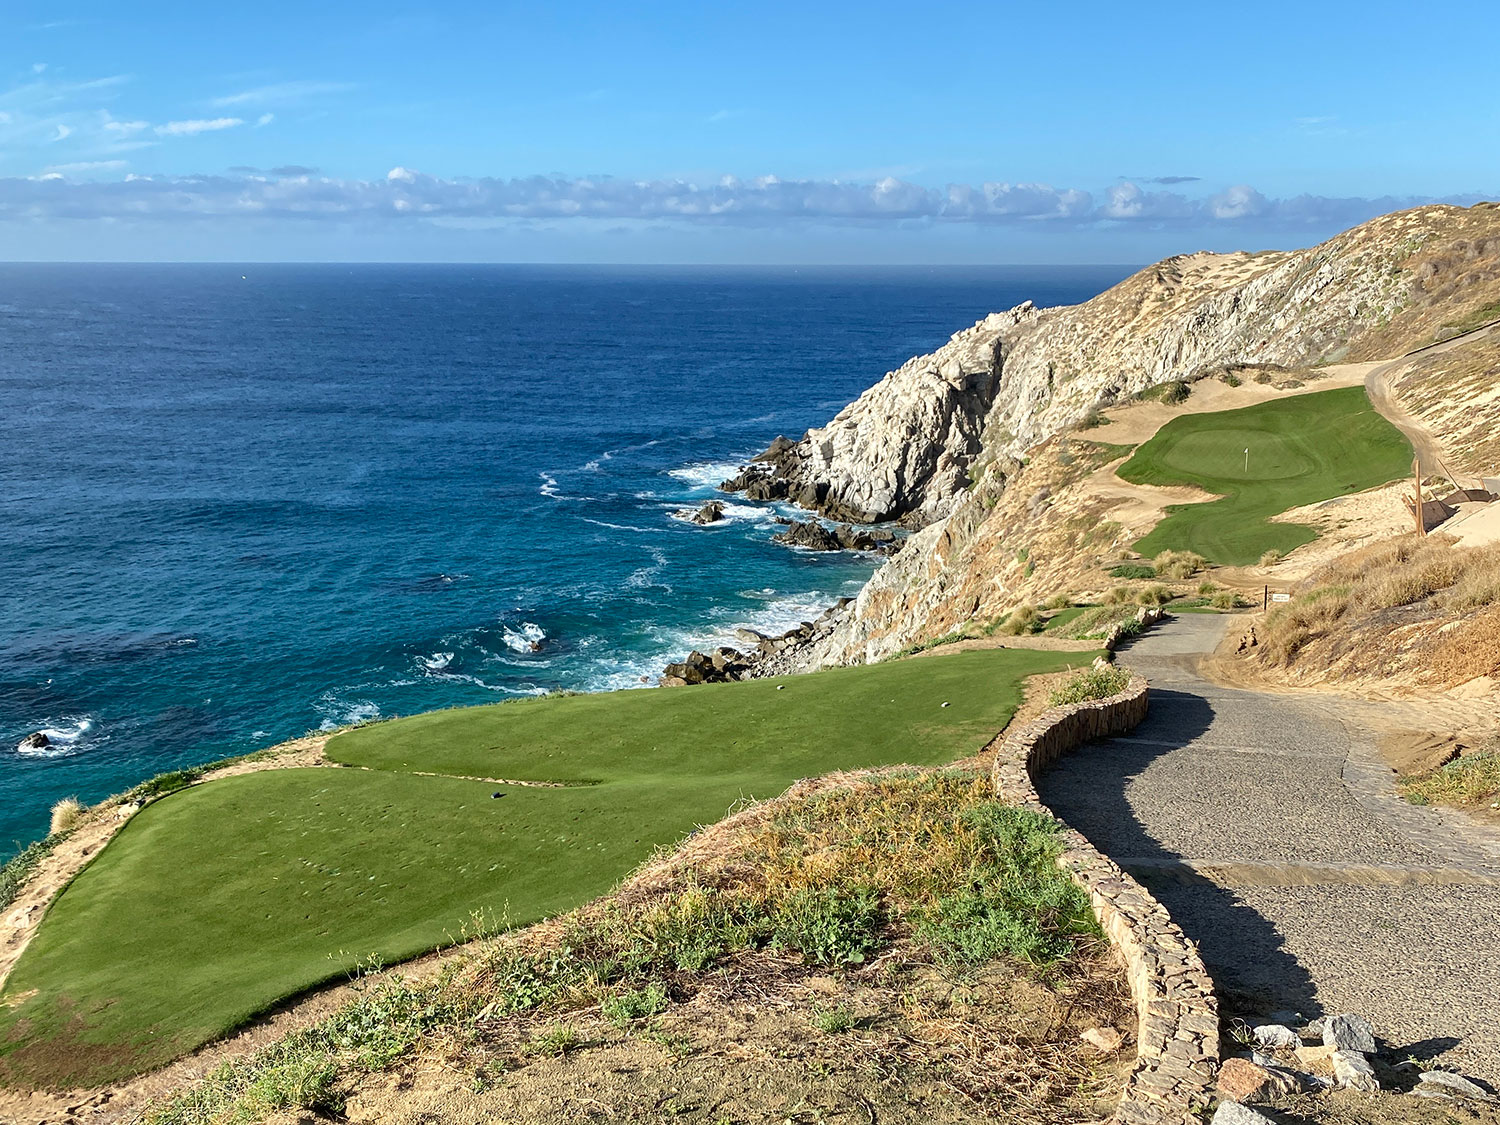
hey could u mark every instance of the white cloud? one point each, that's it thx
(63, 132)
(281, 93)
(405, 195)
(200, 125)
(85, 166)
(264, 119)
(37, 68)
(125, 128)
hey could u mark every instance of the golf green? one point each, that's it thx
(216, 902)
(1262, 460)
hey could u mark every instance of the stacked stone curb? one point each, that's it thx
(1146, 616)
(1177, 1017)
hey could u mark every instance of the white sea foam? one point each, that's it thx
(62, 740)
(705, 474)
(340, 712)
(622, 526)
(527, 637)
(437, 662)
(549, 485)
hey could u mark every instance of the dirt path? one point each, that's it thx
(1270, 827)
(1378, 387)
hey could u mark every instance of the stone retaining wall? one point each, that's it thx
(1177, 1016)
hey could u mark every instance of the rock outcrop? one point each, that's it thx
(814, 536)
(712, 512)
(904, 448)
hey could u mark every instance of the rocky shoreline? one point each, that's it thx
(767, 655)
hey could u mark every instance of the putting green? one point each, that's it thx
(218, 901)
(1262, 460)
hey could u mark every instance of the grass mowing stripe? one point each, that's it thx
(1301, 450)
(217, 901)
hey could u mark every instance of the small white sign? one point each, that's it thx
(1281, 597)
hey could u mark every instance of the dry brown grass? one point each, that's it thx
(65, 814)
(1419, 609)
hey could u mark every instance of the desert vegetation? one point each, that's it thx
(1417, 609)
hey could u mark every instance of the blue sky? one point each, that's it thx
(773, 132)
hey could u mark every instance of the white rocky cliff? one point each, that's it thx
(939, 439)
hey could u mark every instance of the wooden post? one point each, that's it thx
(1416, 468)
(1265, 599)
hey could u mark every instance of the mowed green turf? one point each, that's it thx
(216, 902)
(1302, 449)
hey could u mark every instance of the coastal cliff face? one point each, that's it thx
(904, 448)
(944, 438)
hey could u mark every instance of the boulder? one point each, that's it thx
(1275, 1036)
(1353, 1071)
(1105, 1040)
(1315, 1060)
(812, 535)
(34, 741)
(723, 665)
(1349, 1033)
(1232, 1113)
(712, 512)
(1445, 1082)
(1244, 1081)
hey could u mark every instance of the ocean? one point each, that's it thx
(239, 503)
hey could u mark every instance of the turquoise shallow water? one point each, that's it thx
(239, 503)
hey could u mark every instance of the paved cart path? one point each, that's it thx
(1271, 830)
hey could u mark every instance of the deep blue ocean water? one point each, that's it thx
(241, 502)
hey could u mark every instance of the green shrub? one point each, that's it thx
(1229, 379)
(1015, 905)
(829, 926)
(1057, 601)
(1227, 599)
(638, 1004)
(833, 1021)
(1093, 683)
(1133, 570)
(1154, 595)
(1174, 392)
(1206, 588)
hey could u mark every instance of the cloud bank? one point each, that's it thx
(405, 195)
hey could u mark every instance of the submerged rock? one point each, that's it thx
(815, 537)
(712, 512)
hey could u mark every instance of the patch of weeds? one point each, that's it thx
(637, 1004)
(1133, 570)
(1178, 564)
(554, 1041)
(1154, 595)
(1017, 902)
(829, 925)
(834, 1020)
(1023, 619)
(1092, 683)
(1473, 779)
(164, 783)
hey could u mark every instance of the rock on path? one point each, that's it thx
(1269, 828)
